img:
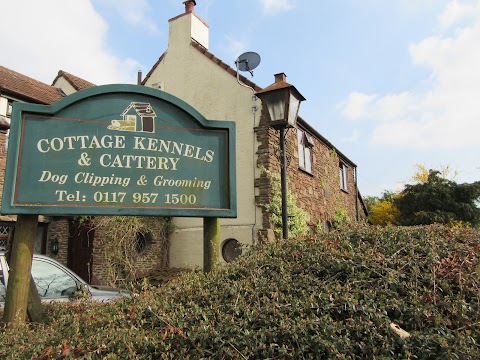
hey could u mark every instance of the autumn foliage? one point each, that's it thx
(431, 198)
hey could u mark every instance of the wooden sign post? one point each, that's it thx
(19, 281)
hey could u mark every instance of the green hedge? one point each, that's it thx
(331, 298)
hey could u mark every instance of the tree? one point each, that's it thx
(370, 201)
(421, 175)
(382, 211)
(438, 200)
(422, 172)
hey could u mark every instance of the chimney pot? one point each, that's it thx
(189, 6)
(280, 77)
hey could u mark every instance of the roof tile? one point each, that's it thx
(77, 83)
(23, 87)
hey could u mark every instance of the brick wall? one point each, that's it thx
(154, 257)
(99, 273)
(3, 160)
(58, 229)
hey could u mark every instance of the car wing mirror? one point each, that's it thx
(70, 291)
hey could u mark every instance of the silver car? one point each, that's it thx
(56, 282)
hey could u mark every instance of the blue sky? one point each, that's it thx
(391, 83)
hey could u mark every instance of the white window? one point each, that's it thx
(305, 145)
(343, 176)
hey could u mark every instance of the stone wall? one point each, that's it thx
(318, 193)
(3, 160)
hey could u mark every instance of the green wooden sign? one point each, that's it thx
(119, 150)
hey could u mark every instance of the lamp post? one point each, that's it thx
(283, 102)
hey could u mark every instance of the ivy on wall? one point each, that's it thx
(340, 218)
(120, 247)
(297, 217)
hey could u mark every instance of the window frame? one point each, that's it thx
(9, 108)
(343, 174)
(305, 150)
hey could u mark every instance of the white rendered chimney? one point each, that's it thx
(188, 26)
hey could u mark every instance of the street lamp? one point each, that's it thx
(283, 102)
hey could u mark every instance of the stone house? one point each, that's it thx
(320, 176)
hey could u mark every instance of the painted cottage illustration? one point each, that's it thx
(143, 116)
(138, 116)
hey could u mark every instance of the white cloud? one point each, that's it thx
(353, 138)
(276, 6)
(356, 106)
(457, 11)
(136, 13)
(395, 106)
(234, 46)
(54, 35)
(447, 115)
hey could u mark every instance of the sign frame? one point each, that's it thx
(24, 112)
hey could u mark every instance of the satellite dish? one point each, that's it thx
(248, 61)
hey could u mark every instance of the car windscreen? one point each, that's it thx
(51, 281)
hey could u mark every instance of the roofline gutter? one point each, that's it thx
(356, 194)
(16, 96)
(309, 127)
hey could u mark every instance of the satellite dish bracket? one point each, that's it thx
(247, 62)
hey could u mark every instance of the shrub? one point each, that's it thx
(334, 297)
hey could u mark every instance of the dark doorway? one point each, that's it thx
(80, 249)
(147, 123)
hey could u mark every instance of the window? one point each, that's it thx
(3, 237)
(305, 145)
(7, 228)
(142, 241)
(52, 281)
(9, 109)
(343, 176)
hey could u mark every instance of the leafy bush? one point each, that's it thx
(332, 298)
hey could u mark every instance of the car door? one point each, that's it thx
(3, 280)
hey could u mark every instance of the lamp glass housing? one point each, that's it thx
(275, 101)
(293, 108)
(283, 105)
